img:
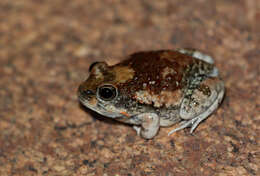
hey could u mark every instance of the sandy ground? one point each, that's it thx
(46, 48)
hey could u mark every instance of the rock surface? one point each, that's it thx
(46, 48)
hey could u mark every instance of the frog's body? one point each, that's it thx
(155, 88)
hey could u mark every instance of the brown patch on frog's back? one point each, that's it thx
(100, 74)
(150, 68)
(171, 98)
(91, 83)
(165, 98)
(167, 71)
(123, 73)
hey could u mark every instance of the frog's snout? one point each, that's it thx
(85, 93)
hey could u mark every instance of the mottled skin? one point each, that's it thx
(155, 88)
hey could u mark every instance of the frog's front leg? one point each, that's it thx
(150, 123)
(200, 104)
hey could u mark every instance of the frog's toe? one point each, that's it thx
(137, 129)
(197, 122)
(203, 116)
(184, 124)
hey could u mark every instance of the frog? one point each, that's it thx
(153, 89)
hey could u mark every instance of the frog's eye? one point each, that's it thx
(107, 92)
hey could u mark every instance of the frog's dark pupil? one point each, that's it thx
(107, 92)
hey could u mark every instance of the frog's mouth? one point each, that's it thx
(97, 107)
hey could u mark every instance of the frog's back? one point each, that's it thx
(159, 76)
(158, 70)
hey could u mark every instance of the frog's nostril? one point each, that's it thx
(87, 92)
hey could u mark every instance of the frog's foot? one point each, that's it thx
(137, 129)
(195, 121)
(187, 123)
(197, 54)
(150, 125)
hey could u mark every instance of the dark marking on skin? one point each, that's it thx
(194, 75)
(204, 89)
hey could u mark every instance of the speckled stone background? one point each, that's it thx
(46, 47)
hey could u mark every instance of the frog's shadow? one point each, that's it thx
(95, 116)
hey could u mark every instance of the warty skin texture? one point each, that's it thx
(155, 88)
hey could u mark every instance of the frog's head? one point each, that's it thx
(101, 91)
